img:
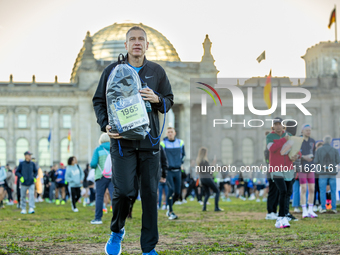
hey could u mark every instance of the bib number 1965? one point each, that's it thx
(131, 109)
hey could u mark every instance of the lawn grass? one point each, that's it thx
(240, 229)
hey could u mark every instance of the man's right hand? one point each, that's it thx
(112, 135)
(22, 179)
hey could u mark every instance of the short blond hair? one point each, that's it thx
(104, 138)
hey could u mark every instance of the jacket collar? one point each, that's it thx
(145, 61)
(273, 132)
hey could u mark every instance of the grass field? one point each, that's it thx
(240, 229)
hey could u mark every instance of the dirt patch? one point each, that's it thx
(166, 244)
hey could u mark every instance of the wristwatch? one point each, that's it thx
(159, 99)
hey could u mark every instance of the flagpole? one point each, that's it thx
(336, 30)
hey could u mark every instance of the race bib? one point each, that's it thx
(130, 113)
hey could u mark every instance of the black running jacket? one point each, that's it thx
(155, 77)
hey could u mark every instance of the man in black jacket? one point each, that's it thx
(140, 158)
(27, 174)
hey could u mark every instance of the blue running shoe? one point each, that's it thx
(113, 245)
(153, 252)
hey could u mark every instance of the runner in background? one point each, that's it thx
(292, 128)
(74, 177)
(317, 187)
(46, 181)
(175, 153)
(86, 185)
(39, 183)
(282, 179)
(27, 173)
(162, 186)
(52, 177)
(61, 185)
(273, 192)
(307, 175)
(99, 157)
(2, 185)
(193, 183)
(206, 178)
(10, 178)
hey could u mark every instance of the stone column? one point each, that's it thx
(83, 131)
(258, 153)
(185, 113)
(239, 140)
(11, 142)
(33, 147)
(55, 141)
(326, 118)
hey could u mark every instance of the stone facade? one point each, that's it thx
(74, 99)
(239, 145)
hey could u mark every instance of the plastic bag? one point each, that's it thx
(287, 147)
(292, 146)
(125, 106)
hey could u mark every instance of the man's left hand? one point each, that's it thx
(149, 95)
(162, 180)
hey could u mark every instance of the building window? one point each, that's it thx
(22, 146)
(334, 65)
(67, 121)
(2, 121)
(227, 151)
(44, 121)
(44, 157)
(22, 121)
(3, 159)
(248, 151)
(65, 153)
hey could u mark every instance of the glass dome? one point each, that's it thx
(108, 43)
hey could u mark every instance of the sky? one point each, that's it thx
(43, 37)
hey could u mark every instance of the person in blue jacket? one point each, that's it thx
(102, 183)
(74, 177)
(175, 153)
(60, 185)
(27, 174)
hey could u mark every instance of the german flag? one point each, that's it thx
(69, 141)
(331, 19)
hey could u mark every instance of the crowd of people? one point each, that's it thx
(93, 186)
(177, 186)
(123, 170)
(301, 164)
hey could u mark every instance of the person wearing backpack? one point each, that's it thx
(74, 177)
(326, 161)
(101, 162)
(135, 158)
